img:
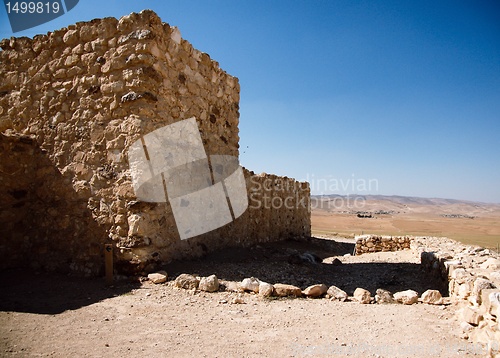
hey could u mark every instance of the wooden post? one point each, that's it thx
(108, 259)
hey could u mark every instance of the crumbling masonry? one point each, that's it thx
(72, 102)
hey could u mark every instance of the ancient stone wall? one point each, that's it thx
(81, 96)
(377, 243)
(473, 276)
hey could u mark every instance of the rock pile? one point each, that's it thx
(473, 276)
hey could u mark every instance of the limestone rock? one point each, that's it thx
(315, 290)
(186, 281)
(407, 297)
(284, 290)
(362, 296)
(158, 277)
(336, 293)
(209, 284)
(250, 284)
(471, 316)
(490, 264)
(265, 289)
(432, 297)
(384, 296)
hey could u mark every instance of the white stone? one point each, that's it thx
(158, 277)
(209, 284)
(186, 281)
(432, 297)
(407, 297)
(250, 284)
(491, 263)
(315, 290)
(362, 296)
(336, 293)
(265, 289)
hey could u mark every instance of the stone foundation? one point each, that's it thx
(473, 275)
(72, 103)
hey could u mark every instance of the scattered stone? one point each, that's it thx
(362, 296)
(250, 284)
(336, 294)
(209, 284)
(266, 289)
(407, 297)
(432, 297)
(284, 290)
(158, 277)
(384, 296)
(470, 315)
(315, 290)
(238, 300)
(186, 281)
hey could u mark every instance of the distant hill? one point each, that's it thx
(399, 204)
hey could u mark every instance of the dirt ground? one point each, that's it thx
(60, 316)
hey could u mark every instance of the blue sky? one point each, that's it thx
(404, 94)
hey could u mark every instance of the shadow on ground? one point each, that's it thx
(277, 262)
(24, 291)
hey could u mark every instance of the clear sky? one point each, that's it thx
(380, 97)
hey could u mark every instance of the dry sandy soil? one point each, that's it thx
(60, 316)
(468, 222)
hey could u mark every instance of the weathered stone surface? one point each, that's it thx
(186, 281)
(284, 290)
(266, 289)
(315, 290)
(384, 296)
(209, 284)
(376, 243)
(250, 284)
(407, 297)
(158, 277)
(471, 316)
(336, 294)
(432, 297)
(362, 296)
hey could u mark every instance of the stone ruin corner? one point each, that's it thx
(72, 102)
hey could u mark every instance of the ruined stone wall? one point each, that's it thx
(377, 243)
(83, 95)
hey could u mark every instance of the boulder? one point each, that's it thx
(336, 294)
(407, 297)
(158, 277)
(384, 296)
(432, 297)
(362, 296)
(209, 284)
(250, 284)
(490, 264)
(283, 290)
(315, 290)
(266, 289)
(471, 316)
(186, 281)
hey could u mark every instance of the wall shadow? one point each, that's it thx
(278, 262)
(43, 293)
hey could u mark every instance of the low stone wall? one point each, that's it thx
(473, 275)
(375, 243)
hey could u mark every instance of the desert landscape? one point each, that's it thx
(464, 221)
